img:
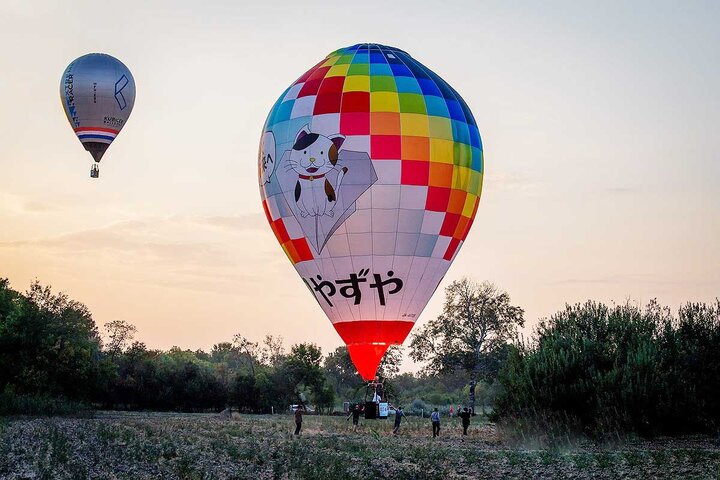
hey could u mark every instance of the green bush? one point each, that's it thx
(38, 405)
(418, 406)
(619, 368)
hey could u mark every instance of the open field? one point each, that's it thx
(203, 446)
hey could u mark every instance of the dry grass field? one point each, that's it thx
(113, 445)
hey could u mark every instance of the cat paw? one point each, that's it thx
(303, 214)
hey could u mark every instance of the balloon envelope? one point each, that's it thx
(98, 93)
(371, 169)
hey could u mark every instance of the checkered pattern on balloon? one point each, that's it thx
(371, 170)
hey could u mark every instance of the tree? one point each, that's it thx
(49, 344)
(268, 394)
(120, 334)
(303, 365)
(273, 351)
(324, 398)
(8, 297)
(302, 370)
(251, 350)
(476, 322)
(390, 364)
(619, 367)
(227, 360)
(341, 372)
(243, 393)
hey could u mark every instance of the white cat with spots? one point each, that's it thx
(313, 157)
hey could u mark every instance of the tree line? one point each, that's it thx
(54, 360)
(596, 368)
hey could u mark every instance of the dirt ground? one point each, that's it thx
(114, 445)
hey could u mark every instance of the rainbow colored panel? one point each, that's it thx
(370, 169)
(409, 120)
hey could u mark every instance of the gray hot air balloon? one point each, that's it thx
(98, 93)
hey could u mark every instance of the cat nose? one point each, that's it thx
(312, 159)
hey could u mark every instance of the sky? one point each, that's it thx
(598, 120)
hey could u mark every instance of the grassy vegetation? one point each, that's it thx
(14, 404)
(204, 446)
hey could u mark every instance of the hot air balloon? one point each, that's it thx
(98, 93)
(370, 170)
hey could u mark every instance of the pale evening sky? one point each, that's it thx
(599, 122)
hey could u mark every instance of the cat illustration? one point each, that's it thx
(313, 157)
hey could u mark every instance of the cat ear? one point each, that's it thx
(337, 139)
(303, 131)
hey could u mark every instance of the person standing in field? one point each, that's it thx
(355, 414)
(435, 419)
(465, 416)
(298, 419)
(398, 418)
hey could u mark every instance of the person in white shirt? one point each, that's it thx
(435, 419)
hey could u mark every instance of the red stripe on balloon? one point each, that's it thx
(97, 129)
(368, 340)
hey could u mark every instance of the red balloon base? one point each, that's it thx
(368, 340)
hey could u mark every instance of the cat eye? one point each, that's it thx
(304, 152)
(321, 152)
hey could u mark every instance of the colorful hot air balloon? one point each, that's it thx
(371, 169)
(98, 93)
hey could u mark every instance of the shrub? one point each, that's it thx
(418, 406)
(619, 368)
(15, 404)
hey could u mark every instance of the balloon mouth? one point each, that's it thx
(311, 170)
(368, 340)
(96, 149)
(367, 357)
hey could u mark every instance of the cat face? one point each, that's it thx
(313, 154)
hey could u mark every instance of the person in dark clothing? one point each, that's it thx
(298, 419)
(398, 418)
(465, 416)
(355, 414)
(435, 419)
